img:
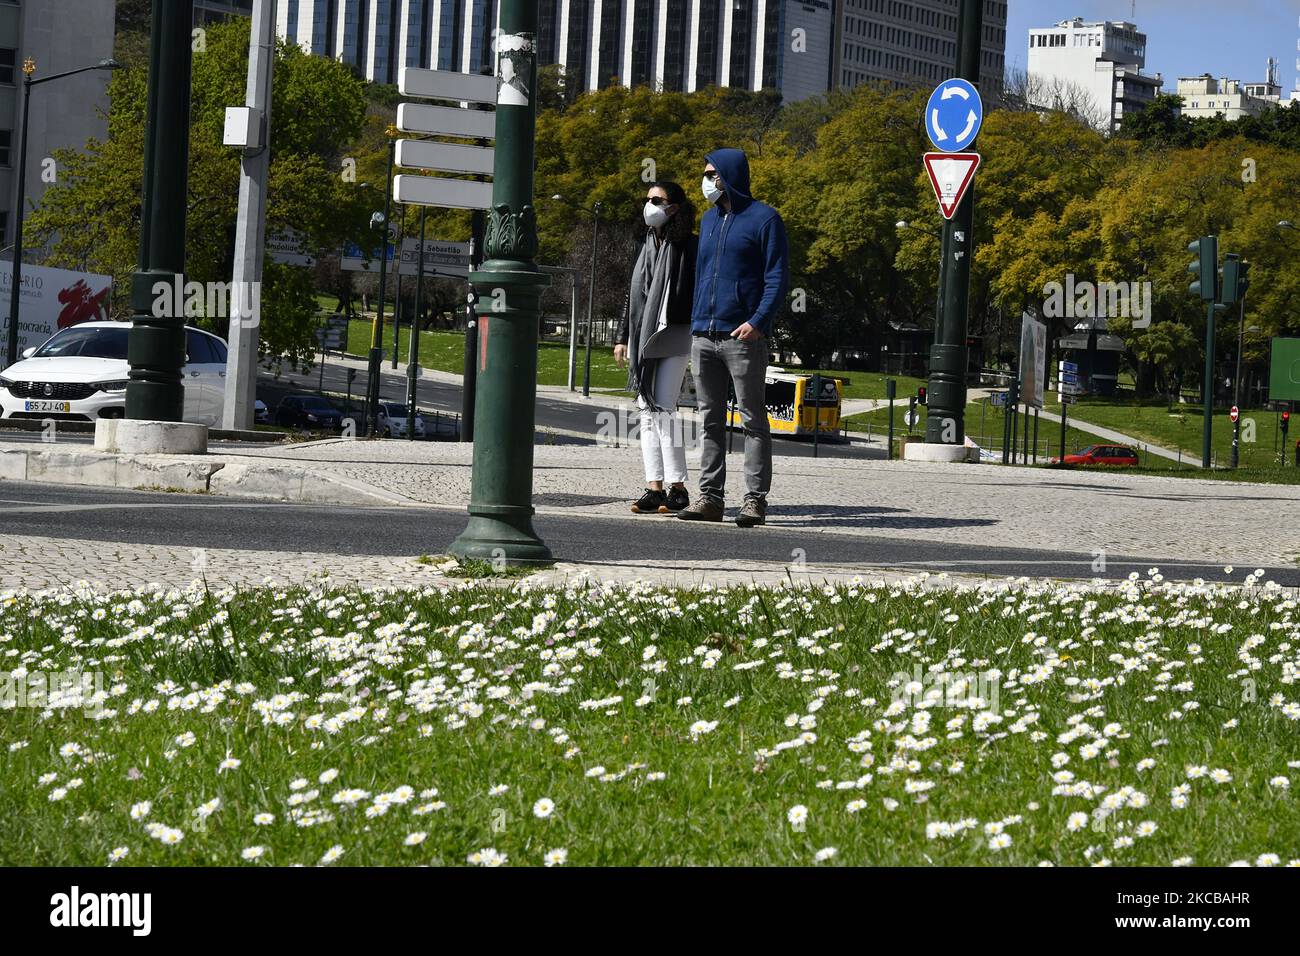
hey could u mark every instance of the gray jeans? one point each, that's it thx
(714, 363)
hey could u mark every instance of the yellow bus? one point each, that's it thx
(792, 408)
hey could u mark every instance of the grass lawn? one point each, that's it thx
(984, 425)
(1182, 428)
(1143, 725)
(445, 351)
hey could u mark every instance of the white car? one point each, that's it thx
(392, 419)
(80, 374)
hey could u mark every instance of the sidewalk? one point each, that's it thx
(1162, 517)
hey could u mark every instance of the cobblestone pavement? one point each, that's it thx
(1140, 515)
(34, 563)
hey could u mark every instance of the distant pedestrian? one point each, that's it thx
(655, 342)
(743, 273)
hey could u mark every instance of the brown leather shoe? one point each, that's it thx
(701, 509)
(754, 512)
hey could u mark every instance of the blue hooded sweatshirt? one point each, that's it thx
(742, 269)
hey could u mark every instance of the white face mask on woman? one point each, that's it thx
(711, 189)
(655, 216)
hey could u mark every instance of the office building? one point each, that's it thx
(669, 44)
(912, 43)
(1102, 62)
(57, 35)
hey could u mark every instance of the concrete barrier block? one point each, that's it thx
(135, 437)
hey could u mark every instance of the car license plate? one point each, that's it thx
(47, 406)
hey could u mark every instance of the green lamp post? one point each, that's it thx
(156, 343)
(508, 286)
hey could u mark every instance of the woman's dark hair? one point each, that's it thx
(682, 224)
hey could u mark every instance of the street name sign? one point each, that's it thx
(447, 85)
(446, 193)
(951, 175)
(446, 121)
(1069, 366)
(444, 157)
(289, 248)
(355, 260)
(953, 115)
(440, 258)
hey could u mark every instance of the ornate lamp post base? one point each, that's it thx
(500, 523)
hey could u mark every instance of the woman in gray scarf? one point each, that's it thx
(655, 342)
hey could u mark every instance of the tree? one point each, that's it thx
(91, 217)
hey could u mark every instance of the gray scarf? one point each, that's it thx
(651, 281)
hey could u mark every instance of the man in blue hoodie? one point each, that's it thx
(742, 273)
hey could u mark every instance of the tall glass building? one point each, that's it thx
(798, 47)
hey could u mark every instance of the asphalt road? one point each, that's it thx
(198, 521)
(550, 413)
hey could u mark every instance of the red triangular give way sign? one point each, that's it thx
(951, 175)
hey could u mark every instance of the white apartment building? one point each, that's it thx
(671, 44)
(1101, 60)
(912, 43)
(1205, 96)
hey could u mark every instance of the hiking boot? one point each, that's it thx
(702, 509)
(648, 503)
(677, 499)
(754, 512)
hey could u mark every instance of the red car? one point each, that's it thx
(1101, 455)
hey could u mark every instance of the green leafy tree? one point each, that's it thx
(91, 218)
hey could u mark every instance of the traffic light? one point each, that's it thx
(1243, 269)
(1228, 279)
(1205, 267)
(920, 395)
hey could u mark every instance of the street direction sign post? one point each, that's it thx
(289, 248)
(445, 121)
(447, 85)
(444, 157)
(446, 193)
(953, 115)
(951, 175)
(355, 260)
(440, 258)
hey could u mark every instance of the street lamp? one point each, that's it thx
(594, 213)
(15, 298)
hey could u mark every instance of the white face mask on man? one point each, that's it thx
(655, 216)
(711, 189)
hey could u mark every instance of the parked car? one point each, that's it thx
(261, 414)
(80, 374)
(1101, 455)
(308, 411)
(393, 418)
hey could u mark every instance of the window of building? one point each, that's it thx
(6, 138)
(8, 58)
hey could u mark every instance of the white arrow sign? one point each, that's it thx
(446, 121)
(447, 193)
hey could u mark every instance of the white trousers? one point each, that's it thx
(663, 447)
